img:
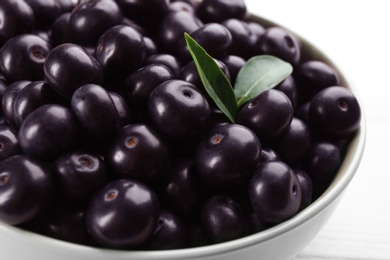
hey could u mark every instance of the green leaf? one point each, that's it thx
(213, 79)
(260, 73)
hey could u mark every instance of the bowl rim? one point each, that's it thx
(344, 176)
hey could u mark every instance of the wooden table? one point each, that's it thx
(356, 36)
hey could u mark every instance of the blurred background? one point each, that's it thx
(355, 35)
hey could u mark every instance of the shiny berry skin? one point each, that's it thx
(313, 76)
(100, 14)
(140, 83)
(335, 111)
(183, 190)
(268, 115)
(281, 43)
(8, 100)
(234, 64)
(59, 30)
(306, 188)
(79, 174)
(16, 17)
(170, 233)
(294, 144)
(173, 27)
(227, 155)
(172, 62)
(190, 74)
(123, 214)
(31, 97)
(244, 38)
(268, 154)
(26, 189)
(68, 66)
(140, 152)
(150, 46)
(275, 192)
(219, 10)
(95, 110)
(22, 57)
(290, 89)
(126, 114)
(213, 37)
(223, 219)
(48, 131)
(181, 6)
(9, 143)
(120, 50)
(179, 110)
(321, 164)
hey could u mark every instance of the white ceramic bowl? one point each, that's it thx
(281, 242)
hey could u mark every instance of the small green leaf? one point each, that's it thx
(260, 73)
(213, 79)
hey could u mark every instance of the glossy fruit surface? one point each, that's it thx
(123, 214)
(170, 233)
(101, 15)
(33, 96)
(9, 143)
(22, 57)
(173, 27)
(280, 43)
(22, 177)
(313, 76)
(95, 110)
(223, 219)
(48, 131)
(183, 191)
(120, 50)
(213, 37)
(68, 66)
(275, 192)
(219, 10)
(16, 17)
(227, 155)
(177, 101)
(140, 83)
(139, 152)
(335, 111)
(79, 175)
(268, 115)
(8, 100)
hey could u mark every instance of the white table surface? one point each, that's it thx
(355, 34)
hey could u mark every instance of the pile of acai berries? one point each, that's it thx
(109, 139)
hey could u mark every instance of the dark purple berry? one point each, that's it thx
(26, 189)
(223, 220)
(79, 175)
(138, 151)
(268, 115)
(68, 66)
(16, 17)
(275, 192)
(335, 111)
(95, 110)
(179, 110)
(170, 233)
(227, 155)
(48, 131)
(219, 10)
(22, 57)
(123, 214)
